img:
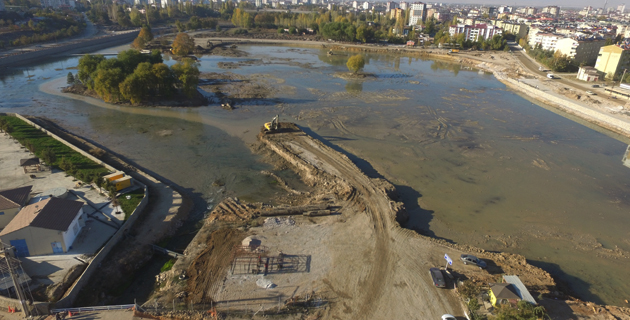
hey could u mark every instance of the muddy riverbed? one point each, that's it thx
(475, 162)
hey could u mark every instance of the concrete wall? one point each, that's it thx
(68, 48)
(37, 239)
(593, 116)
(8, 215)
(69, 235)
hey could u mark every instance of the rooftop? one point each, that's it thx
(14, 198)
(51, 213)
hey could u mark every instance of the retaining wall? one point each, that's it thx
(71, 295)
(590, 115)
(69, 48)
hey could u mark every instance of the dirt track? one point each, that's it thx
(386, 275)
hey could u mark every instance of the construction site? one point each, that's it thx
(335, 251)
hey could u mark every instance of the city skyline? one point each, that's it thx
(535, 3)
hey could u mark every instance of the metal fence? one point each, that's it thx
(97, 308)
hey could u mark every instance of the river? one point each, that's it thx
(475, 162)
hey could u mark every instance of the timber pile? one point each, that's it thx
(297, 210)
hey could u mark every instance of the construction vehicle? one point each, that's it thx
(453, 51)
(272, 126)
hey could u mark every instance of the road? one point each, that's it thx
(533, 67)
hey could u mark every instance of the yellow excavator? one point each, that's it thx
(272, 126)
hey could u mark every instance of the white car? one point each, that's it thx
(448, 317)
(590, 92)
(550, 76)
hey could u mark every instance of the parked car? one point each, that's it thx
(590, 92)
(467, 258)
(437, 277)
(551, 76)
(448, 317)
(595, 86)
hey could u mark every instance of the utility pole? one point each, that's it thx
(624, 74)
(16, 282)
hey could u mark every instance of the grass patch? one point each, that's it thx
(82, 168)
(168, 265)
(129, 205)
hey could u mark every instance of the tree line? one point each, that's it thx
(554, 60)
(43, 25)
(136, 77)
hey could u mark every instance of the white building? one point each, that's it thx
(548, 41)
(621, 8)
(417, 14)
(366, 5)
(355, 4)
(403, 5)
(476, 32)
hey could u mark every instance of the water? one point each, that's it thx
(475, 162)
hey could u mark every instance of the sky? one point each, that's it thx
(561, 3)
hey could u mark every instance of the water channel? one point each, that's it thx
(475, 162)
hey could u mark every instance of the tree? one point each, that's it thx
(187, 74)
(87, 66)
(183, 44)
(608, 42)
(70, 78)
(49, 156)
(106, 84)
(355, 63)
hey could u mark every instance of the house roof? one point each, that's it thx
(504, 291)
(52, 213)
(14, 198)
(521, 290)
(29, 162)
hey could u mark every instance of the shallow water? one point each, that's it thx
(475, 162)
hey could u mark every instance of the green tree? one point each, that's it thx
(87, 66)
(49, 156)
(106, 84)
(187, 74)
(70, 78)
(164, 79)
(355, 63)
(183, 44)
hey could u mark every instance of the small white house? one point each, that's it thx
(49, 226)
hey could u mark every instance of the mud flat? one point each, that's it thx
(359, 262)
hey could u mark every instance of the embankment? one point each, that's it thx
(85, 46)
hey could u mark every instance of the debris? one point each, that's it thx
(274, 222)
(264, 283)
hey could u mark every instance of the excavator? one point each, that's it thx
(273, 126)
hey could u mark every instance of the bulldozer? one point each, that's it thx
(273, 126)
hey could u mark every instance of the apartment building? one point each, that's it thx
(581, 50)
(547, 40)
(518, 29)
(417, 13)
(475, 32)
(612, 60)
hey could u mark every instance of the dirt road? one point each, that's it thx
(384, 271)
